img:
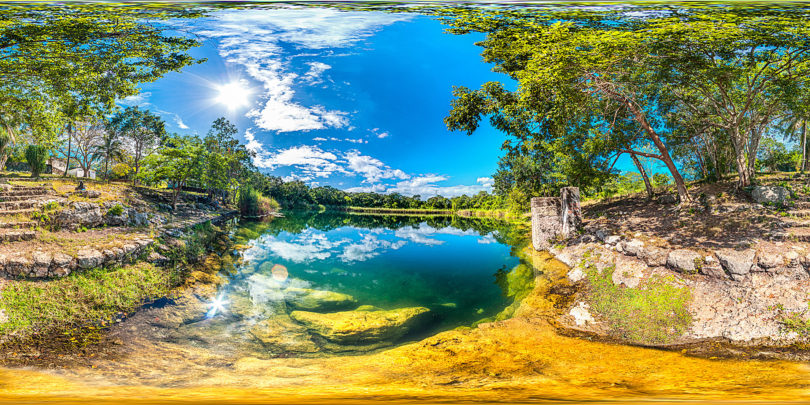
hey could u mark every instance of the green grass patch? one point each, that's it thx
(81, 299)
(654, 312)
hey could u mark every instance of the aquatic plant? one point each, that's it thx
(253, 204)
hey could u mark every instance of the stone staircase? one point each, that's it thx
(19, 201)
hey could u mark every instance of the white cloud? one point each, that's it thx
(266, 42)
(138, 99)
(380, 134)
(319, 139)
(316, 69)
(370, 246)
(418, 235)
(373, 170)
(426, 186)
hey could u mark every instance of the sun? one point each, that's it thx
(233, 95)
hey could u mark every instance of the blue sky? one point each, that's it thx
(354, 100)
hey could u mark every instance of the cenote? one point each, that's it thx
(383, 280)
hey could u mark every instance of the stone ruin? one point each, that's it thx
(555, 217)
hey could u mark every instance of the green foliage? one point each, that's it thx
(36, 156)
(115, 210)
(660, 180)
(120, 171)
(144, 130)
(654, 312)
(774, 156)
(253, 204)
(178, 160)
(81, 299)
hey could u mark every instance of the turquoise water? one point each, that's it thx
(454, 267)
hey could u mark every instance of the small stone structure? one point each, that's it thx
(554, 217)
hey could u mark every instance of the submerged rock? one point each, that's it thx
(361, 326)
(280, 334)
(318, 300)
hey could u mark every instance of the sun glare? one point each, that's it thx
(233, 95)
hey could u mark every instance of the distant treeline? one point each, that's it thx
(297, 194)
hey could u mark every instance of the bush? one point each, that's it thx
(253, 204)
(115, 210)
(37, 157)
(120, 171)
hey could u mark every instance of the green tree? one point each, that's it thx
(178, 160)
(37, 157)
(142, 129)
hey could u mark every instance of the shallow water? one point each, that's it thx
(407, 263)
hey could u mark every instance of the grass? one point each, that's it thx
(79, 300)
(654, 313)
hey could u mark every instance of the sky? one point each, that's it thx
(354, 100)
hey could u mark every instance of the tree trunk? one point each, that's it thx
(67, 159)
(662, 149)
(753, 147)
(804, 145)
(647, 185)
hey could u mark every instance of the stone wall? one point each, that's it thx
(555, 217)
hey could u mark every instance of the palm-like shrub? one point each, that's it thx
(37, 157)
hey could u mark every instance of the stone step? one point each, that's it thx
(16, 212)
(18, 225)
(23, 193)
(19, 198)
(801, 205)
(800, 213)
(16, 235)
(16, 205)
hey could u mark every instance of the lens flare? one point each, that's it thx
(233, 95)
(279, 273)
(217, 306)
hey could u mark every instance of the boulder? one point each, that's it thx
(79, 214)
(668, 199)
(633, 247)
(735, 262)
(89, 258)
(613, 239)
(770, 194)
(280, 334)
(713, 269)
(654, 256)
(18, 266)
(318, 300)
(769, 260)
(685, 260)
(361, 326)
(42, 262)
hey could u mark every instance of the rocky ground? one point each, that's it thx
(735, 264)
(50, 229)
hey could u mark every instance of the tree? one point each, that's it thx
(37, 157)
(226, 160)
(88, 136)
(142, 129)
(178, 160)
(81, 57)
(109, 148)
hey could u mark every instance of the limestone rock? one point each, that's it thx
(684, 260)
(737, 263)
(576, 274)
(318, 300)
(581, 314)
(769, 260)
(770, 194)
(628, 272)
(668, 199)
(18, 266)
(633, 247)
(280, 334)
(654, 256)
(89, 258)
(713, 269)
(613, 239)
(42, 262)
(361, 326)
(79, 214)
